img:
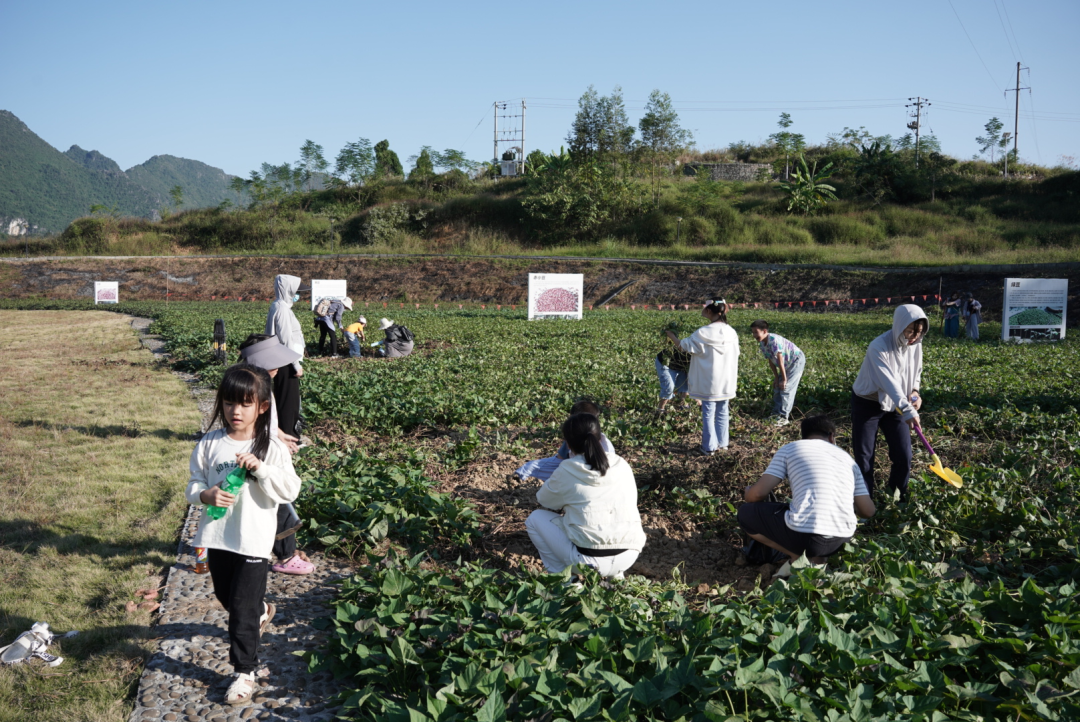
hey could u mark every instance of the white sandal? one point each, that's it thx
(242, 689)
(32, 644)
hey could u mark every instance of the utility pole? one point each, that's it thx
(917, 123)
(495, 154)
(1016, 121)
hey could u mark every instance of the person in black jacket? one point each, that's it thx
(398, 341)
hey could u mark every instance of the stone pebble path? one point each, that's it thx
(185, 679)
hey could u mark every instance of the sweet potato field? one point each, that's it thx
(961, 605)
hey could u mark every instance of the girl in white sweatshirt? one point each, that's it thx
(714, 372)
(590, 513)
(239, 543)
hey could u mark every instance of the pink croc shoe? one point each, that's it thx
(294, 565)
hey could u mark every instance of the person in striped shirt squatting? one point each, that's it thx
(827, 491)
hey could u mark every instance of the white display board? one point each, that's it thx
(106, 292)
(320, 289)
(1034, 309)
(556, 295)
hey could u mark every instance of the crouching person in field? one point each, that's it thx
(827, 491)
(590, 513)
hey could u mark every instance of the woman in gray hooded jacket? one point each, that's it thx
(282, 323)
(886, 396)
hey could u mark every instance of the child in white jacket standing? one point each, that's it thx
(239, 543)
(590, 515)
(714, 372)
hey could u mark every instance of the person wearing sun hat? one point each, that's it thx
(354, 334)
(330, 321)
(398, 341)
(267, 353)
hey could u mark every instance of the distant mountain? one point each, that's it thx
(42, 190)
(203, 185)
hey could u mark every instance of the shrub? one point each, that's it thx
(698, 231)
(844, 230)
(775, 232)
(87, 235)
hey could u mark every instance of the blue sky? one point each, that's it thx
(235, 84)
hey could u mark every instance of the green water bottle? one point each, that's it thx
(232, 484)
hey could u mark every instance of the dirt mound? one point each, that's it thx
(447, 281)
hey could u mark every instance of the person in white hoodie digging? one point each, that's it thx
(714, 372)
(886, 396)
(590, 513)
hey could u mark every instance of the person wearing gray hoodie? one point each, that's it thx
(886, 396)
(282, 323)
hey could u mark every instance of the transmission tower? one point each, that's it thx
(916, 124)
(510, 136)
(1016, 122)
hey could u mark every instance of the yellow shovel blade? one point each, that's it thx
(945, 473)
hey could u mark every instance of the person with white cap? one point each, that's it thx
(328, 320)
(265, 352)
(354, 334)
(398, 341)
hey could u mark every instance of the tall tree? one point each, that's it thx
(601, 128)
(662, 138)
(786, 141)
(177, 195)
(423, 170)
(355, 164)
(451, 159)
(312, 162)
(387, 162)
(992, 139)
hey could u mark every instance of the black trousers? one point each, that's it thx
(287, 397)
(240, 585)
(324, 330)
(866, 418)
(767, 519)
(284, 548)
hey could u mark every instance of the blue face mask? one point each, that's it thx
(296, 297)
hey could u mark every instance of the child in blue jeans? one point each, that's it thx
(787, 362)
(542, 469)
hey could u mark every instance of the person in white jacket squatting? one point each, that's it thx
(885, 396)
(590, 515)
(714, 372)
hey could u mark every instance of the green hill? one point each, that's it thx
(203, 185)
(49, 189)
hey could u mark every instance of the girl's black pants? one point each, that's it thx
(240, 585)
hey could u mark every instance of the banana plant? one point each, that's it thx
(807, 193)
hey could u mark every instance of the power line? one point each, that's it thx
(992, 80)
(1013, 30)
(1007, 38)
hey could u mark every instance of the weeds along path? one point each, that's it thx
(187, 675)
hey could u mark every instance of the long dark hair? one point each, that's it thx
(582, 434)
(242, 384)
(718, 307)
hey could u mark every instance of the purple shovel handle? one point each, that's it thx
(925, 442)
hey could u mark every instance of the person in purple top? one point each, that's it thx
(787, 362)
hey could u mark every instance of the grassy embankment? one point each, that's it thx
(978, 220)
(94, 438)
